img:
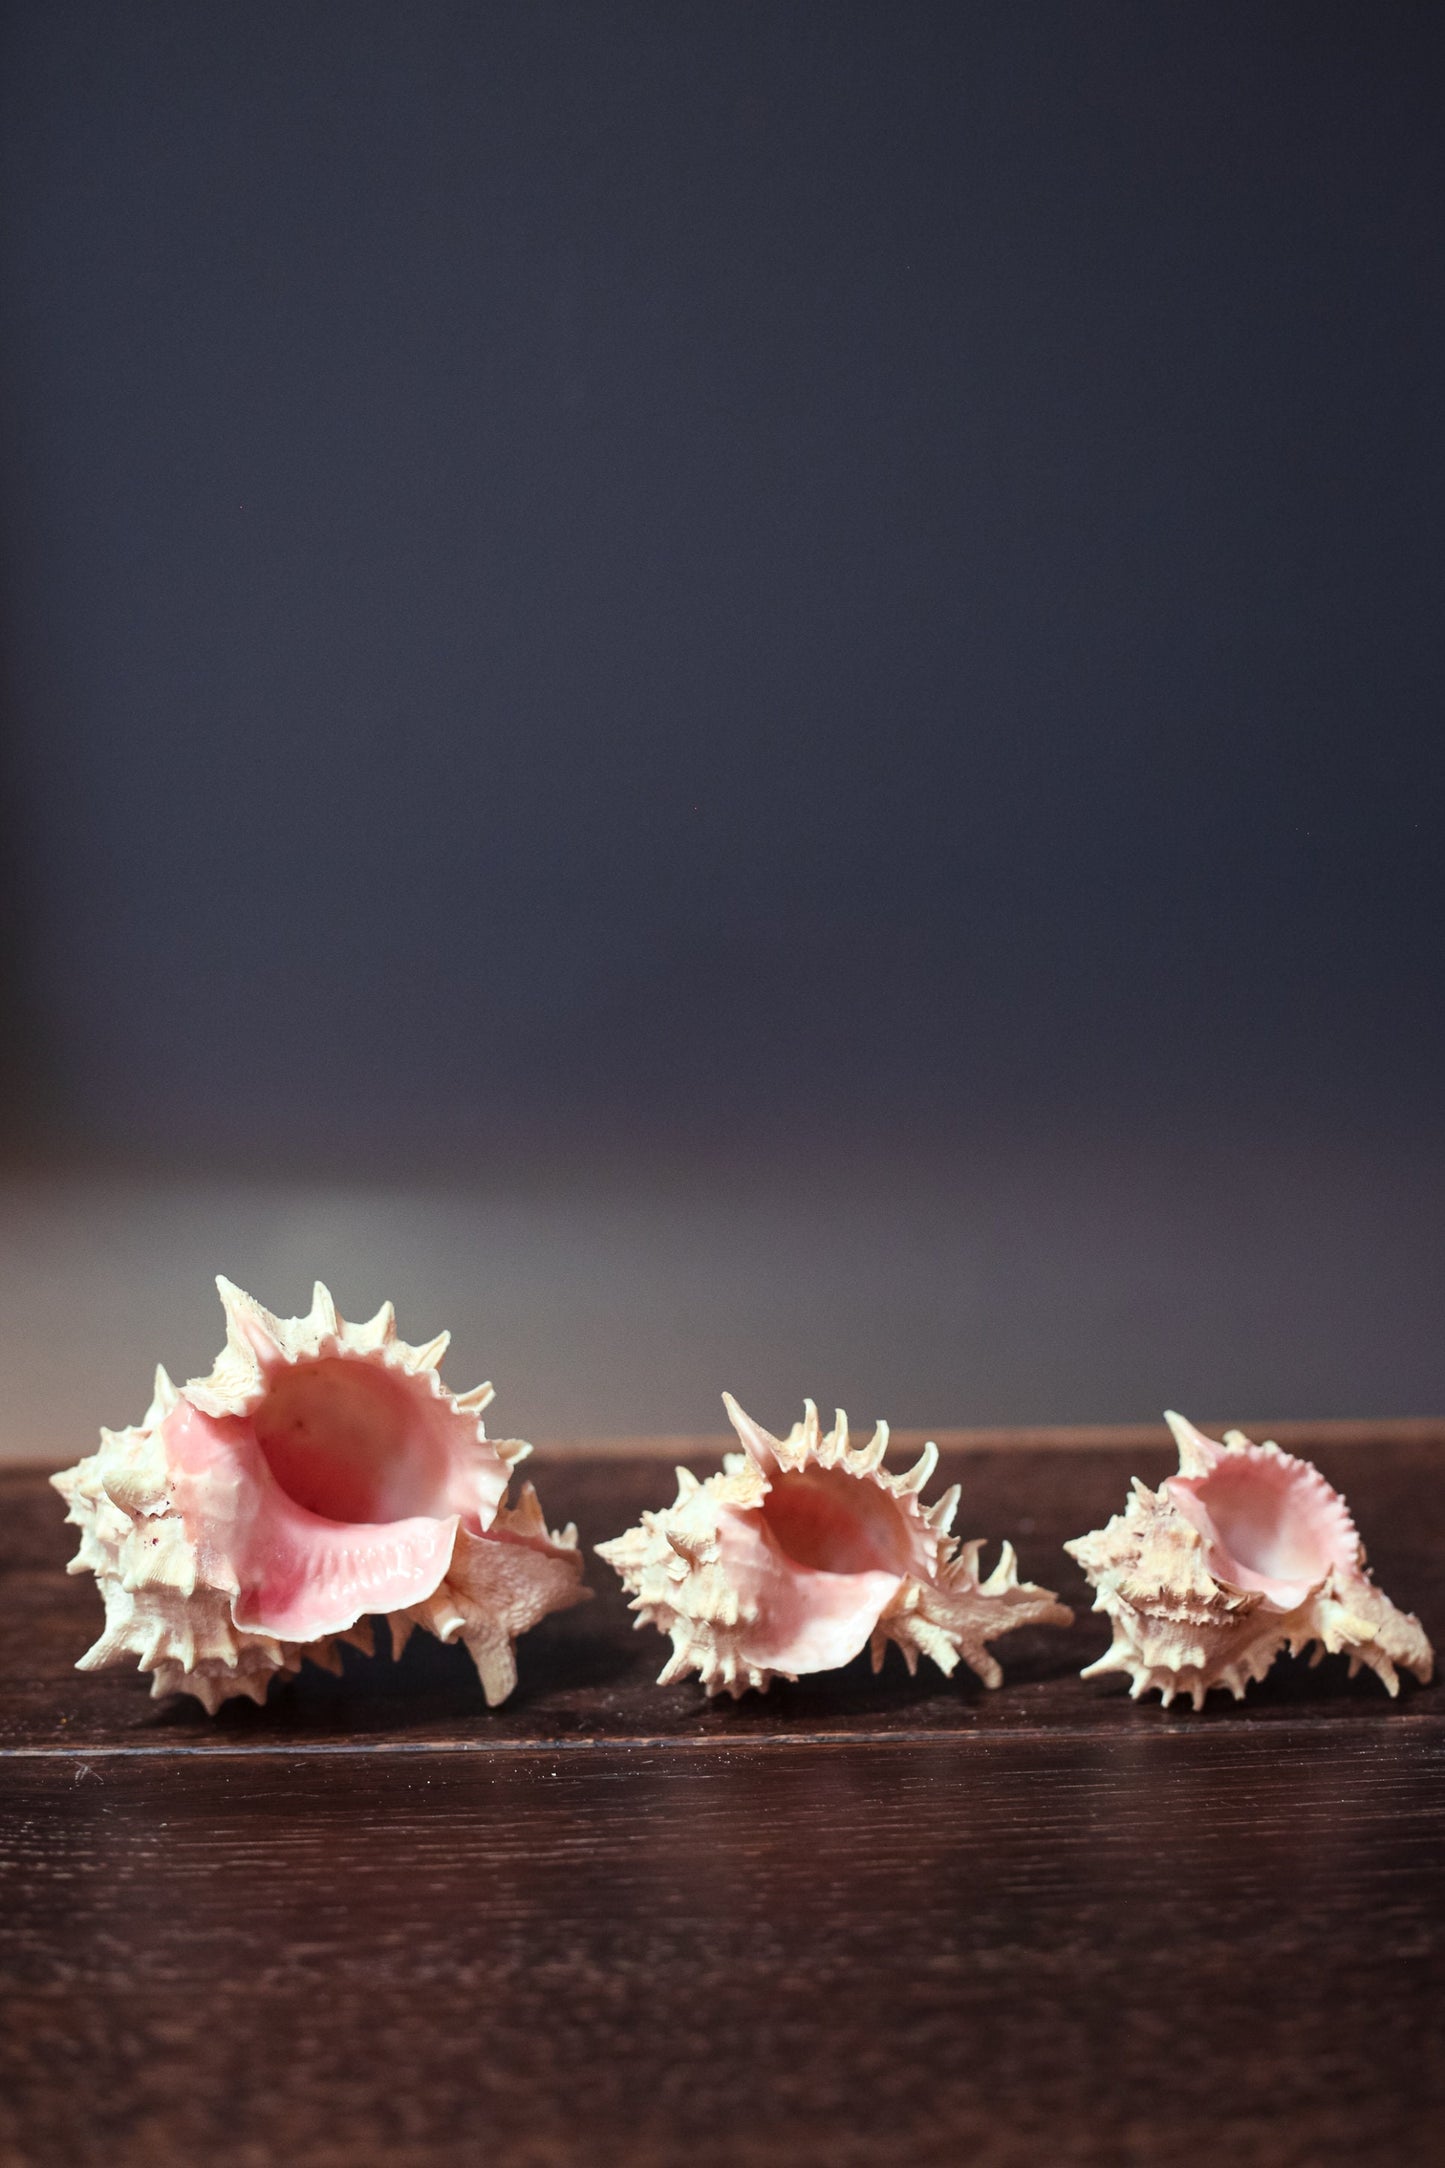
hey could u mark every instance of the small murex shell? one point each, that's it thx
(802, 1552)
(320, 1475)
(1245, 1552)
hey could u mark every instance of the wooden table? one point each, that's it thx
(862, 1922)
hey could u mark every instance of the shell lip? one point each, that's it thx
(812, 1619)
(393, 1586)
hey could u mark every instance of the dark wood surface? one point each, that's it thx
(857, 1922)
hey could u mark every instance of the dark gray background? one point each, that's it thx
(795, 602)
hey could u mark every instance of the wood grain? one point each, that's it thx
(859, 1922)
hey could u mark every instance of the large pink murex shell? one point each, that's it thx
(802, 1552)
(1245, 1552)
(322, 1474)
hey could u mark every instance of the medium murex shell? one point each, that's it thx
(320, 1475)
(1245, 1552)
(801, 1552)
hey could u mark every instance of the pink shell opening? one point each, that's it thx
(821, 1558)
(340, 1492)
(1272, 1523)
(353, 1442)
(834, 1522)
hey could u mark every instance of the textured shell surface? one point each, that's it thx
(1247, 1551)
(322, 1475)
(803, 1551)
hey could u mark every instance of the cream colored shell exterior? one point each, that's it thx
(169, 1605)
(1179, 1630)
(672, 1566)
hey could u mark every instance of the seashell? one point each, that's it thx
(320, 1475)
(1243, 1553)
(802, 1551)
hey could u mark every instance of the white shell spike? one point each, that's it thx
(1247, 1551)
(322, 1474)
(802, 1552)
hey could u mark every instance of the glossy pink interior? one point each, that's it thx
(815, 1564)
(1270, 1525)
(339, 1493)
(353, 1442)
(836, 1523)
